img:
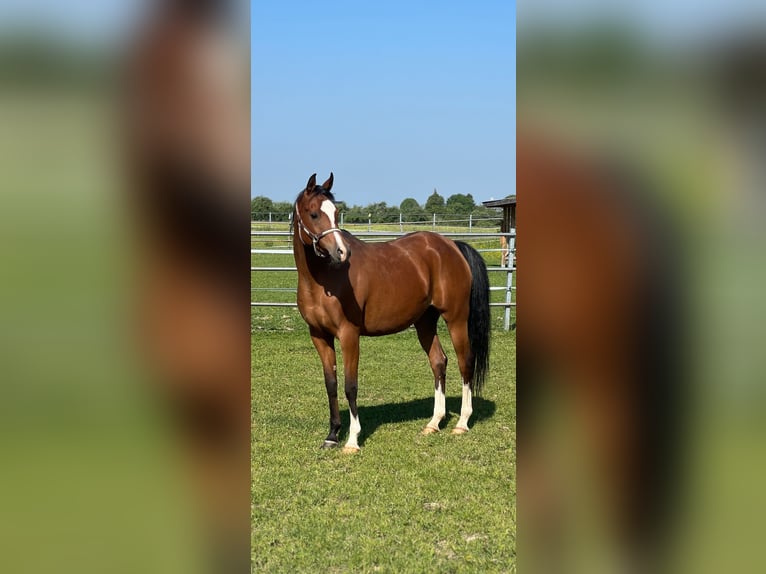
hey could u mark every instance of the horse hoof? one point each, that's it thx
(429, 430)
(351, 449)
(329, 444)
(459, 430)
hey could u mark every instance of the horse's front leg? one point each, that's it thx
(325, 345)
(349, 342)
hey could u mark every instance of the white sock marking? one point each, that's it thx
(440, 408)
(466, 407)
(353, 432)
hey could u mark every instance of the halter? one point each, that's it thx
(313, 236)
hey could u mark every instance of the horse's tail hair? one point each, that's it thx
(479, 321)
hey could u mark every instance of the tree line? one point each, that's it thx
(458, 205)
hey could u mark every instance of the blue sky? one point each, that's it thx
(396, 98)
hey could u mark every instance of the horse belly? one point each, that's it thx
(391, 313)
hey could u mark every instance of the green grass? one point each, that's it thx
(406, 502)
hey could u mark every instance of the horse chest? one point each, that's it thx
(322, 308)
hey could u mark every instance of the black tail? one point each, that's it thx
(479, 322)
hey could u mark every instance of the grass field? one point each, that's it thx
(406, 502)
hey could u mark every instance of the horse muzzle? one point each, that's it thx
(340, 254)
(338, 250)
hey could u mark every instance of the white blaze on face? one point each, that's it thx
(328, 207)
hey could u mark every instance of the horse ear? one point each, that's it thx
(328, 184)
(312, 183)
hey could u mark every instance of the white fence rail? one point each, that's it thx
(271, 220)
(283, 239)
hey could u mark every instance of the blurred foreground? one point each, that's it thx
(124, 154)
(629, 470)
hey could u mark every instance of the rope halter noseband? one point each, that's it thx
(313, 236)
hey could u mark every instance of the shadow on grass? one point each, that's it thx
(372, 417)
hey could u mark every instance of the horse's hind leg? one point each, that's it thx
(325, 346)
(429, 340)
(458, 331)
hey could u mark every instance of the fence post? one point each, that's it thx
(369, 222)
(434, 222)
(509, 282)
(401, 229)
(269, 220)
(341, 218)
(507, 310)
(470, 223)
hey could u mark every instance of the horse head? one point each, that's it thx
(315, 215)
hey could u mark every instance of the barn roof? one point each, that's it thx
(500, 202)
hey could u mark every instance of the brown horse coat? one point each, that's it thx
(418, 271)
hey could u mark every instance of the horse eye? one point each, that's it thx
(315, 215)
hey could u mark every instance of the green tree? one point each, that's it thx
(409, 205)
(486, 217)
(382, 213)
(435, 203)
(260, 206)
(282, 210)
(460, 204)
(356, 214)
(341, 206)
(411, 210)
(390, 214)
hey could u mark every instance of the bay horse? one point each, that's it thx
(348, 288)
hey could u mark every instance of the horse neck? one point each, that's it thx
(301, 252)
(298, 248)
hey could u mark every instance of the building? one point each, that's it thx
(507, 224)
